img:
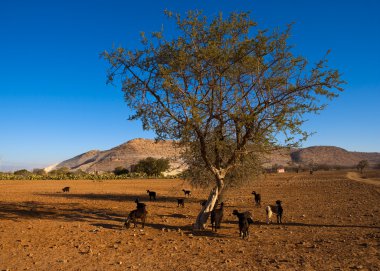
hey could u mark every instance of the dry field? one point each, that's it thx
(330, 223)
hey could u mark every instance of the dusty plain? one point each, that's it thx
(330, 222)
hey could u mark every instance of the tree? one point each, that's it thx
(22, 172)
(361, 165)
(152, 166)
(222, 89)
(39, 171)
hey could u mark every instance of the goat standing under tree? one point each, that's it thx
(224, 90)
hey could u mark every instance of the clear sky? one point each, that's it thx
(55, 104)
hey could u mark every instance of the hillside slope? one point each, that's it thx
(124, 155)
(134, 150)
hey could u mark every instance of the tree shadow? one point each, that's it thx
(118, 197)
(176, 216)
(160, 226)
(58, 211)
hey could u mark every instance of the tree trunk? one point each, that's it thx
(206, 210)
(209, 206)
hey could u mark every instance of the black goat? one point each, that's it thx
(152, 195)
(257, 198)
(245, 219)
(277, 209)
(134, 215)
(181, 202)
(139, 205)
(186, 192)
(66, 189)
(216, 217)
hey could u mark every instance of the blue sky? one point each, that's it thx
(55, 104)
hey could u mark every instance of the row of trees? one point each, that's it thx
(145, 168)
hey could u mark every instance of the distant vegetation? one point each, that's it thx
(307, 167)
(146, 168)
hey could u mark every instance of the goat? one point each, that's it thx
(134, 215)
(277, 209)
(152, 195)
(181, 202)
(216, 217)
(139, 205)
(186, 192)
(66, 189)
(257, 198)
(245, 219)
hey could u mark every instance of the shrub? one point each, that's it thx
(120, 171)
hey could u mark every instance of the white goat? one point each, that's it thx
(277, 209)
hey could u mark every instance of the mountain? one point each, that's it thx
(124, 155)
(134, 150)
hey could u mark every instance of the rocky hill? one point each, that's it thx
(124, 155)
(134, 150)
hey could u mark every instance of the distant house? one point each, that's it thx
(281, 170)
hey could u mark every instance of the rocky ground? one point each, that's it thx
(330, 223)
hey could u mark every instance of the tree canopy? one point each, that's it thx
(152, 166)
(223, 88)
(362, 164)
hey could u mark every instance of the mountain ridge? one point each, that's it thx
(130, 152)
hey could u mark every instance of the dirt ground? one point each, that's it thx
(330, 223)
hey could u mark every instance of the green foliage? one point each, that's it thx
(39, 171)
(223, 88)
(66, 174)
(152, 166)
(22, 172)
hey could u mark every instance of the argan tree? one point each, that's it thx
(152, 166)
(361, 165)
(224, 89)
